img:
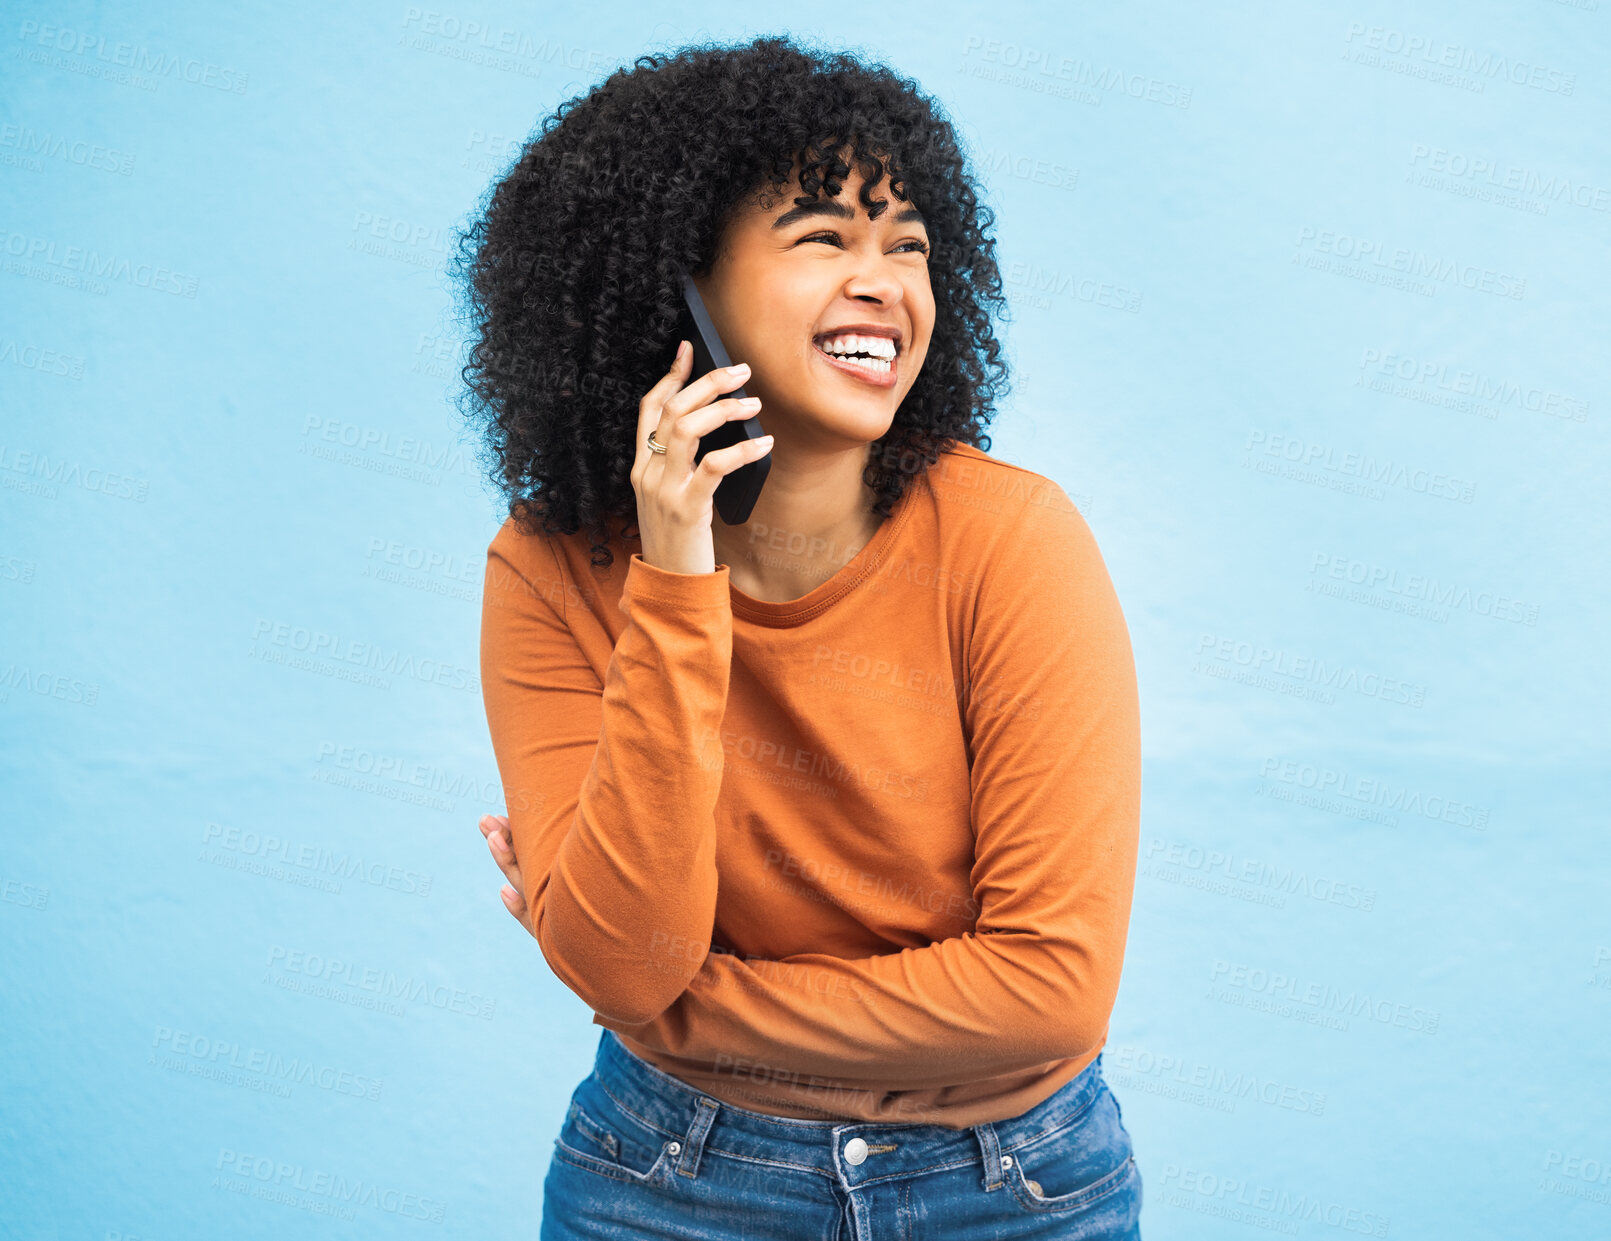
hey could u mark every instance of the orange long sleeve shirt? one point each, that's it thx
(866, 854)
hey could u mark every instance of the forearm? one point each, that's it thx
(963, 1009)
(612, 788)
(634, 881)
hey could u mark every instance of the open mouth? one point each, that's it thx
(870, 358)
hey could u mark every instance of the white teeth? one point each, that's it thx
(879, 366)
(878, 346)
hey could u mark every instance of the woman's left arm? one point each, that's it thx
(1056, 796)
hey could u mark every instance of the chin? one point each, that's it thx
(845, 425)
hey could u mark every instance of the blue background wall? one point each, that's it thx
(1309, 316)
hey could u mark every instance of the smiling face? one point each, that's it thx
(789, 280)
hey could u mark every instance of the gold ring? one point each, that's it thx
(654, 445)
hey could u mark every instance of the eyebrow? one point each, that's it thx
(840, 211)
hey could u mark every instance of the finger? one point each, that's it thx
(683, 437)
(495, 827)
(715, 466)
(680, 432)
(491, 822)
(515, 903)
(672, 428)
(502, 854)
(649, 407)
(706, 388)
(687, 433)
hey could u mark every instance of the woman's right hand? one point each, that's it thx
(676, 498)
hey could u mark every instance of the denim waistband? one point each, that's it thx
(681, 1111)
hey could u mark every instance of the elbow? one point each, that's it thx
(627, 1006)
(1085, 1040)
(622, 992)
(1068, 1033)
(1077, 1007)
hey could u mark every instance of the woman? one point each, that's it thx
(830, 817)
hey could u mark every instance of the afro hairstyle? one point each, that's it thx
(570, 266)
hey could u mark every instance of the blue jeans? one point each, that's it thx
(642, 1154)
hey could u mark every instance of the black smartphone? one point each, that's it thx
(737, 492)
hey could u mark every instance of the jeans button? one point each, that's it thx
(855, 1150)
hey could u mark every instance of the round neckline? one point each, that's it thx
(849, 575)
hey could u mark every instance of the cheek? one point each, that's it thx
(774, 338)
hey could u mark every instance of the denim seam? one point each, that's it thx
(600, 1167)
(973, 1161)
(1107, 1186)
(694, 1140)
(694, 1095)
(642, 1120)
(599, 1133)
(710, 1148)
(789, 1165)
(1066, 1124)
(989, 1155)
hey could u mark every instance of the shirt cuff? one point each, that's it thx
(681, 590)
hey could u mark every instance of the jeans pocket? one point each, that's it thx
(1077, 1165)
(601, 1135)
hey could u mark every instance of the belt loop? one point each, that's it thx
(986, 1133)
(693, 1144)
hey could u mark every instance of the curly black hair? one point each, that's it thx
(571, 268)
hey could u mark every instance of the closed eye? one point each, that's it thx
(922, 246)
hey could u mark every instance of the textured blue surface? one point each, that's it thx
(1309, 317)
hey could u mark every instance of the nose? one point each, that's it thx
(875, 279)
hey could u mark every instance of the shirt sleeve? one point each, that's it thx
(611, 789)
(1052, 717)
